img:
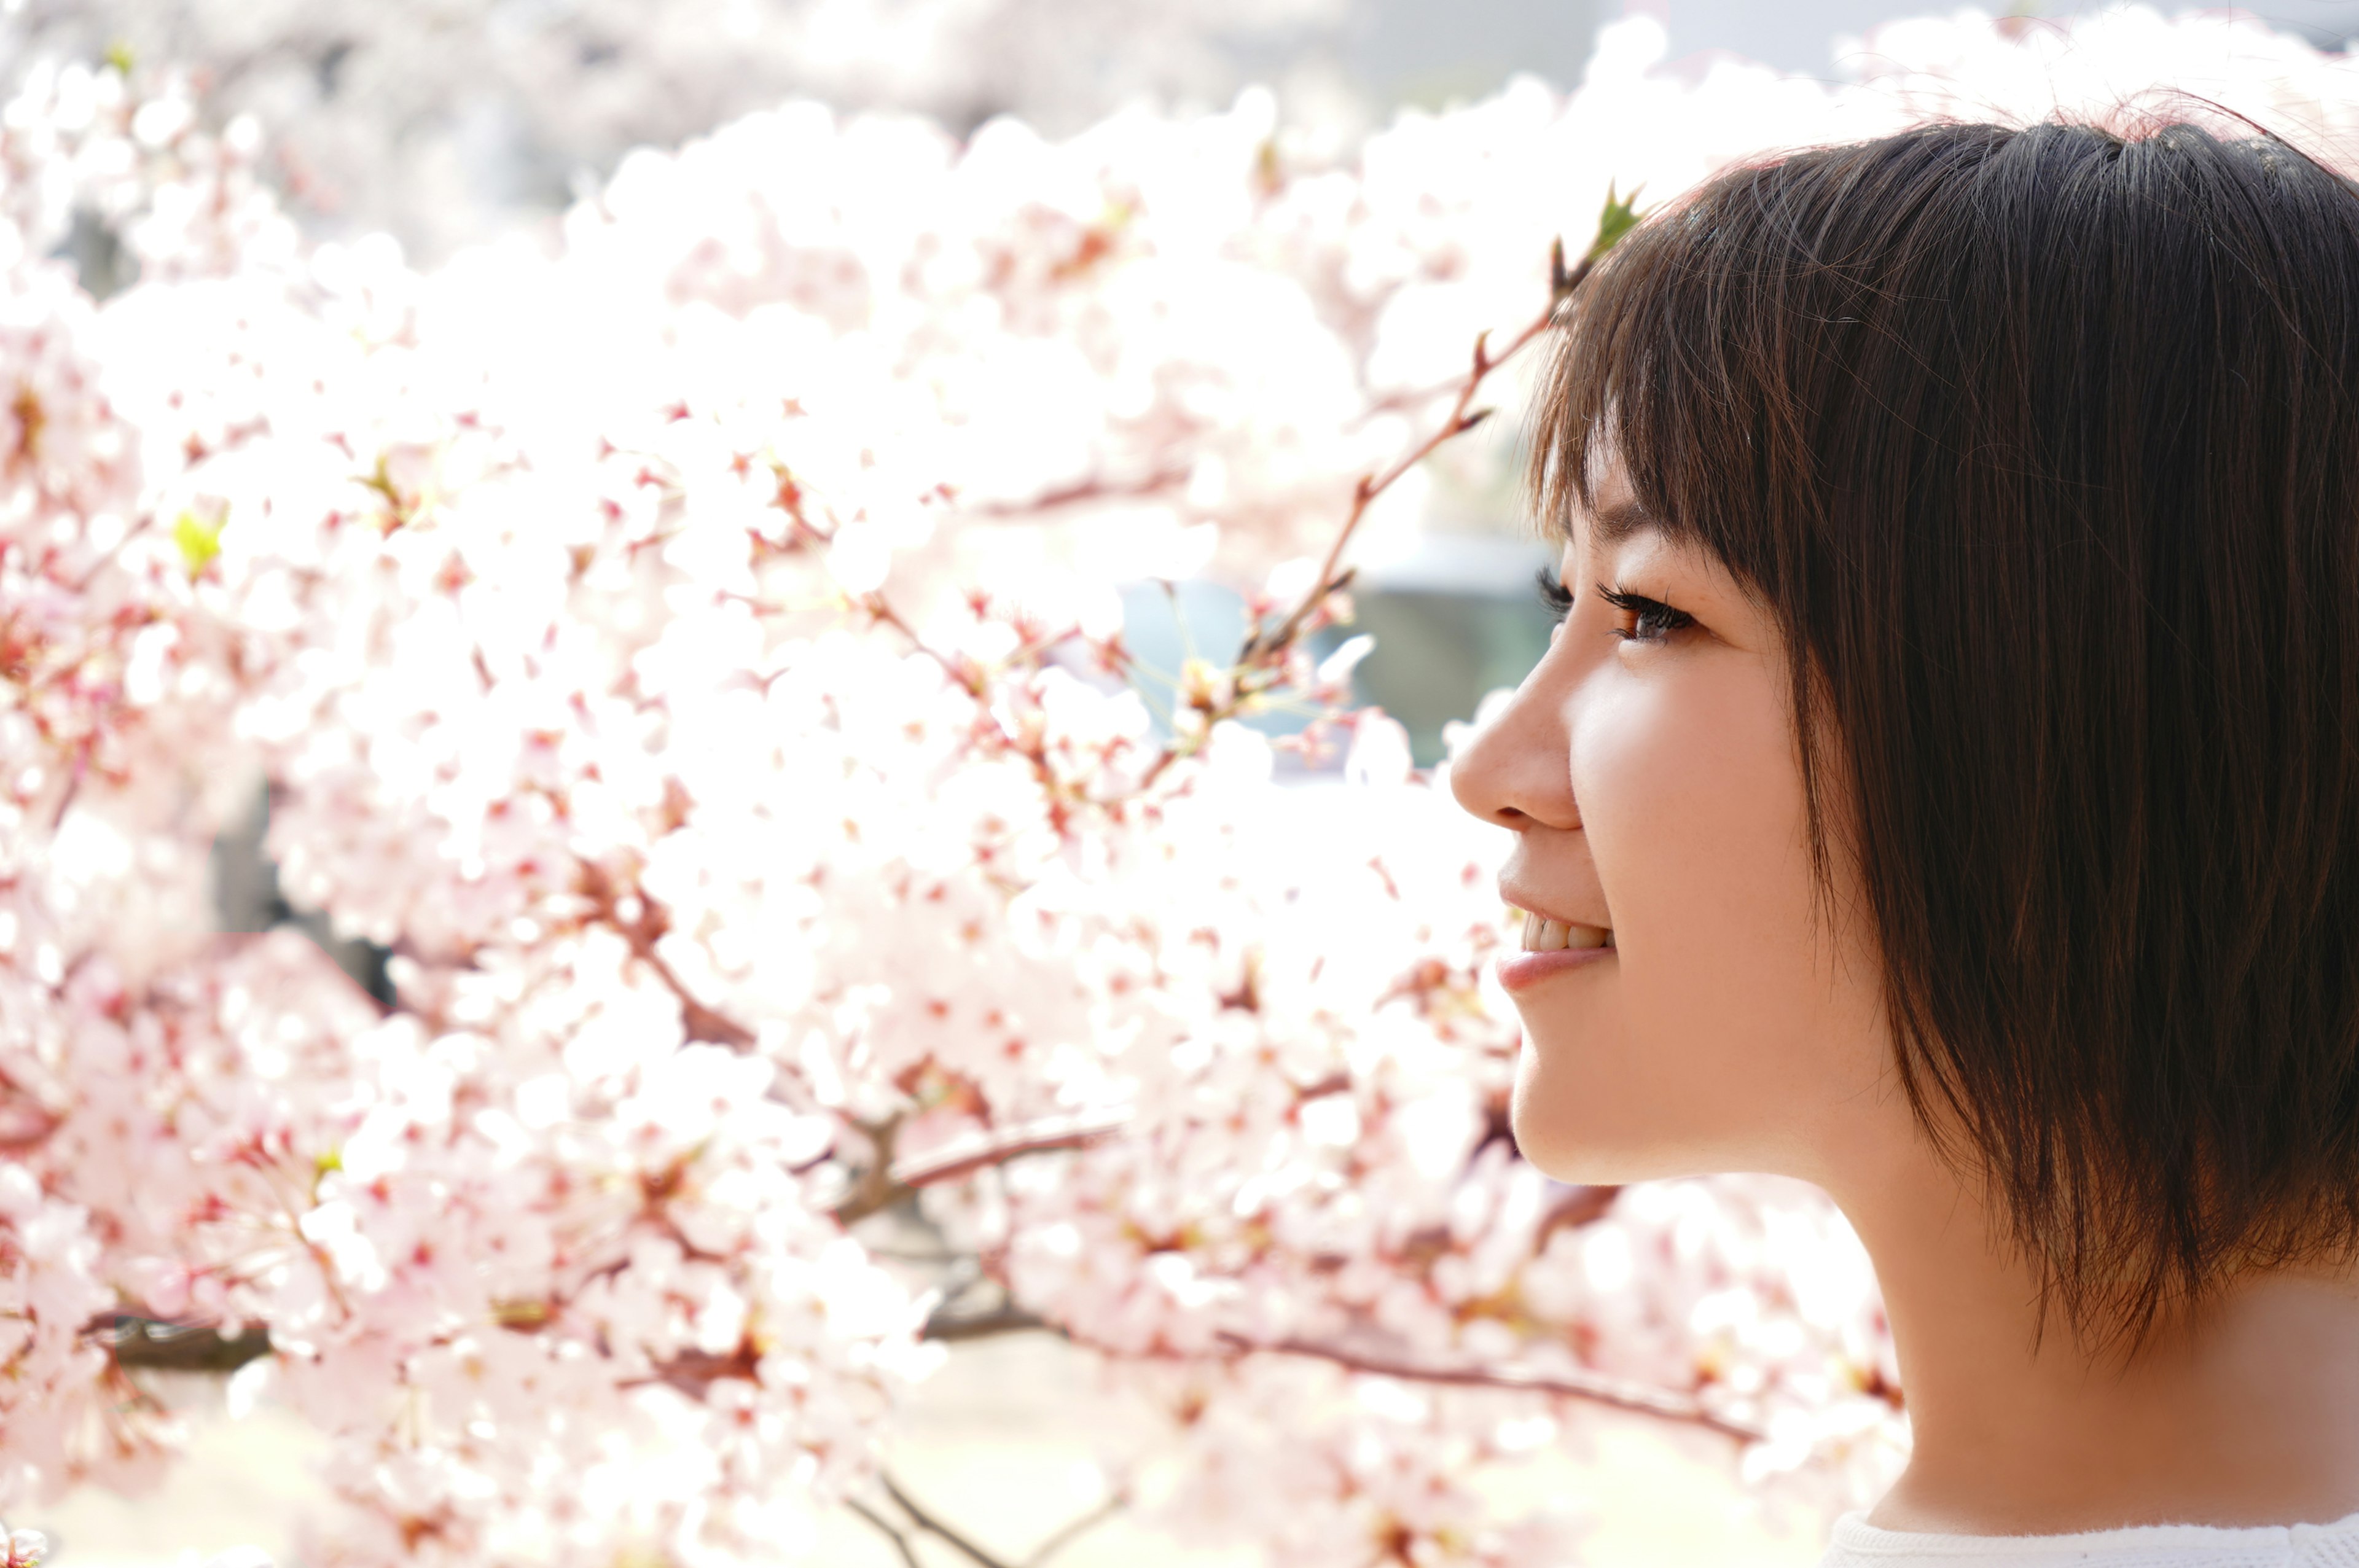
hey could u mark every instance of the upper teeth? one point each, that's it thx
(1548, 935)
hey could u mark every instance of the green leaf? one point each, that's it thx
(1619, 219)
(200, 541)
(118, 55)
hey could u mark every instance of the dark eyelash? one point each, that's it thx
(1655, 619)
(1553, 593)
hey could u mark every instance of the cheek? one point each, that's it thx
(1692, 801)
(1706, 1044)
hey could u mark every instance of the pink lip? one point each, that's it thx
(1520, 971)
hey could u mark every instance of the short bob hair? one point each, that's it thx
(2041, 446)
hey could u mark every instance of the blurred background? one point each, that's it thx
(451, 123)
(445, 122)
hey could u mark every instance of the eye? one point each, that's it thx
(1553, 593)
(1642, 620)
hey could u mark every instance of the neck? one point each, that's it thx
(2247, 1416)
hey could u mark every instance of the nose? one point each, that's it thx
(1518, 770)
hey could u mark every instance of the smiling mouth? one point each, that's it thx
(1543, 935)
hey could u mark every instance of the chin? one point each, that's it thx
(1568, 1147)
(1570, 1132)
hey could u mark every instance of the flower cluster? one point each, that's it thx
(440, 121)
(694, 653)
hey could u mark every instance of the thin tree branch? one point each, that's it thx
(889, 1181)
(27, 1126)
(951, 1327)
(1640, 1399)
(1463, 417)
(1623, 1394)
(963, 674)
(698, 1020)
(694, 1372)
(135, 1339)
(1096, 488)
(876, 1189)
(1078, 1528)
(935, 1527)
(140, 1341)
(893, 1532)
(1265, 648)
(963, 1157)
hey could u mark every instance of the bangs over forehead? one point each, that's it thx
(1708, 339)
(2040, 445)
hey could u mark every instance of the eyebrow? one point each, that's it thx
(1612, 524)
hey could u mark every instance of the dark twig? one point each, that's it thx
(966, 1156)
(951, 1327)
(893, 1532)
(1640, 1399)
(1612, 225)
(1078, 1528)
(1255, 670)
(963, 674)
(25, 1124)
(1265, 650)
(935, 1527)
(1096, 488)
(1593, 1388)
(692, 1373)
(161, 1344)
(874, 1189)
(888, 1181)
(653, 922)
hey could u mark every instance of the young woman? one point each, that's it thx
(1943, 787)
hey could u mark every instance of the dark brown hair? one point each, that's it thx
(2041, 445)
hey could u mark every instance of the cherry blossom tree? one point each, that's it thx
(439, 121)
(694, 652)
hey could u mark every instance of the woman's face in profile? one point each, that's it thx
(1691, 1007)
